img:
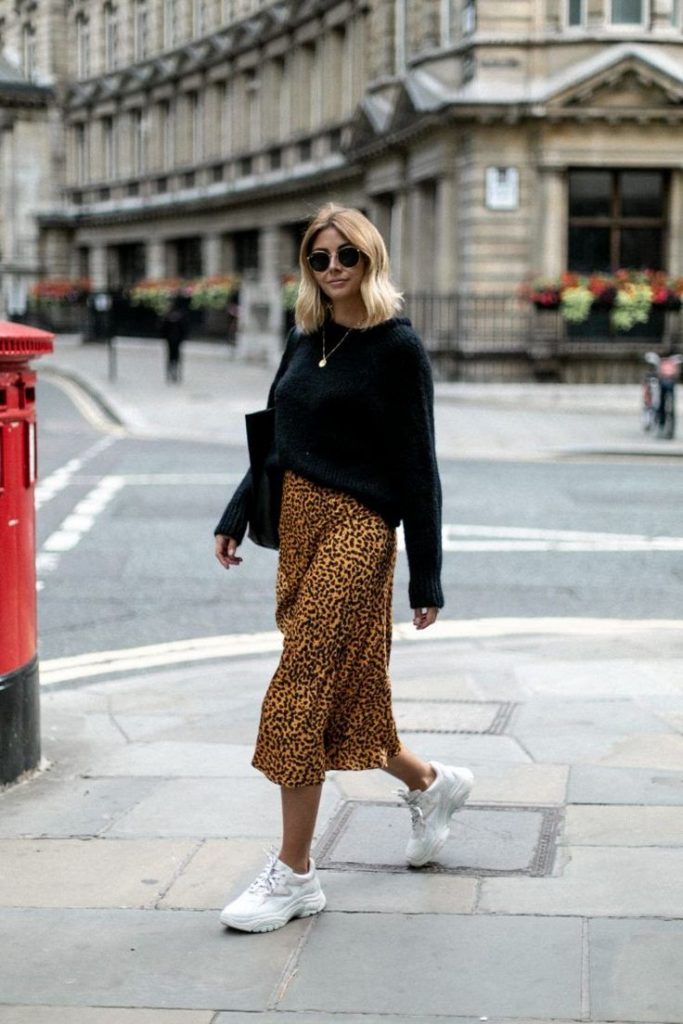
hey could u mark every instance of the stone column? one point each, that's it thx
(98, 268)
(445, 242)
(673, 259)
(261, 327)
(211, 255)
(155, 261)
(396, 239)
(549, 240)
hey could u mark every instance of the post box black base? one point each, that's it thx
(19, 722)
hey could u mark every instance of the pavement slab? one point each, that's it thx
(174, 759)
(596, 678)
(316, 1017)
(647, 751)
(213, 807)
(136, 958)
(592, 784)
(635, 970)
(517, 966)
(372, 836)
(100, 1015)
(219, 871)
(88, 872)
(595, 882)
(462, 749)
(623, 826)
(411, 892)
(55, 806)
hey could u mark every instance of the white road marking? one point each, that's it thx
(179, 652)
(77, 523)
(467, 539)
(64, 476)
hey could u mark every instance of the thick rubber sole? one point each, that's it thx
(456, 799)
(311, 905)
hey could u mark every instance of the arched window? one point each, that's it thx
(198, 18)
(28, 50)
(111, 36)
(141, 30)
(82, 46)
(170, 23)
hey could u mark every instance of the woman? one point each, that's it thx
(353, 402)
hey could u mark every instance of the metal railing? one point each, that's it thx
(470, 324)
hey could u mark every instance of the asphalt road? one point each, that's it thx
(125, 545)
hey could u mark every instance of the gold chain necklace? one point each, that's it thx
(323, 362)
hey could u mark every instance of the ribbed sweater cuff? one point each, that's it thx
(233, 523)
(425, 591)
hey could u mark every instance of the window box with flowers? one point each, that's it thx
(59, 303)
(628, 301)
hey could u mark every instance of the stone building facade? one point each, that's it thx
(489, 139)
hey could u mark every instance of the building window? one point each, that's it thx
(139, 126)
(83, 46)
(229, 11)
(198, 18)
(676, 13)
(617, 219)
(28, 50)
(400, 36)
(141, 33)
(575, 12)
(167, 122)
(111, 37)
(627, 12)
(469, 17)
(188, 257)
(109, 148)
(81, 153)
(170, 21)
(196, 114)
(246, 251)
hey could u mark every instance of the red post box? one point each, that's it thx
(19, 700)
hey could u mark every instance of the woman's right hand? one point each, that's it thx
(226, 551)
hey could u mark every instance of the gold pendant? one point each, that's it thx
(323, 362)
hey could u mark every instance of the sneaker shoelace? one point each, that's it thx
(411, 800)
(270, 877)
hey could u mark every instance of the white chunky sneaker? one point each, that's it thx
(274, 898)
(431, 811)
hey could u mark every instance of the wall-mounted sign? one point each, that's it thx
(502, 188)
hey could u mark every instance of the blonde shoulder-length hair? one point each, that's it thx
(380, 298)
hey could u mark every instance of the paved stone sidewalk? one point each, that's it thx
(559, 896)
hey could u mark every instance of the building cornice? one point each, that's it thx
(281, 18)
(204, 199)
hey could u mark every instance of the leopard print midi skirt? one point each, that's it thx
(328, 705)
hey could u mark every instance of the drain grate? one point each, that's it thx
(484, 840)
(465, 717)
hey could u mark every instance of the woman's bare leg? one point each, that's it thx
(299, 812)
(411, 769)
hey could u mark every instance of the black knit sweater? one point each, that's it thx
(364, 425)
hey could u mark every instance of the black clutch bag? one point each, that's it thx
(266, 479)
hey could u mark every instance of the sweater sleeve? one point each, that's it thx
(419, 484)
(233, 522)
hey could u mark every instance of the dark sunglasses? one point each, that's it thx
(347, 256)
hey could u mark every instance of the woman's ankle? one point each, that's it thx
(299, 865)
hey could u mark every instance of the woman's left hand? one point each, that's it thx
(423, 617)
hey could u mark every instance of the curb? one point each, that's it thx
(89, 390)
